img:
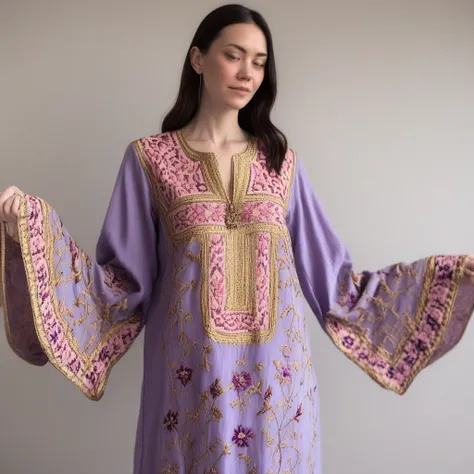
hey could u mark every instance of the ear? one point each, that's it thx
(196, 59)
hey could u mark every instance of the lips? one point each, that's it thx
(242, 89)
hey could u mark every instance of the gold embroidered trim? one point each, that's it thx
(240, 271)
(292, 179)
(203, 230)
(194, 198)
(191, 199)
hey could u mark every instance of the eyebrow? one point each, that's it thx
(240, 48)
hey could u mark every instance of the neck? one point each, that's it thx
(214, 125)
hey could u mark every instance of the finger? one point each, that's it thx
(469, 275)
(15, 207)
(4, 201)
(7, 210)
(469, 272)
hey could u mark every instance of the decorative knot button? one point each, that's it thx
(232, 217)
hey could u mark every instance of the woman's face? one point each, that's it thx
(233, 69)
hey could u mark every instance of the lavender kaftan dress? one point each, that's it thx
(218, 283)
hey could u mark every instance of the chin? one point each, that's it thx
(236, 104)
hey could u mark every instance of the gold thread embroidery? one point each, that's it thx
(203, 230)
(240, 271)
(204, 197)
(426, 356)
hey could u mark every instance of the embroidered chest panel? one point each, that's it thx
(239, 234)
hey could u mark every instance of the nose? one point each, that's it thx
(245, 73)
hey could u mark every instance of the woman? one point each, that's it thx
(212, 238)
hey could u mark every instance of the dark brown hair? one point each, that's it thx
(254, 118)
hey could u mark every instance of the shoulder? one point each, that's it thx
(153, 147)
(278, 184)
(289, 158)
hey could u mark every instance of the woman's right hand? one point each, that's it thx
(9, 210)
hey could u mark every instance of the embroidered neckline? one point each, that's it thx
(241, 174)
(250, 153)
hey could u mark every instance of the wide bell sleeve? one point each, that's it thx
(59, 304)
(392, 322)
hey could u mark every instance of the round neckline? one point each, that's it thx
(249, 152)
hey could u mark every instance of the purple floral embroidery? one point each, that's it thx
(216, 389)
(171, 420)
(184, 375)
(241, 381)
(242, 435)
(286, 371)
(348, 342)
(299, 412)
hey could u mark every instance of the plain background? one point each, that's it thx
(378, 99)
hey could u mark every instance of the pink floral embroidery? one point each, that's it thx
(117, 284)
(176, 174)
(264, 182)
(263, 211)
(198, 213)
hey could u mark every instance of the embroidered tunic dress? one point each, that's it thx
(218, 283)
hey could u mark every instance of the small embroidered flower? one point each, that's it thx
(171, 420)
(348, 342)
(353, 299)
(241, 381)
(286, 372)
(184, 374)
(266, 402)
(242, 435)
(299, 412)
(216, 389)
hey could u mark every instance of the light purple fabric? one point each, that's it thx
(209, 407)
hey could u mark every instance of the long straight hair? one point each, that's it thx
(254, 118)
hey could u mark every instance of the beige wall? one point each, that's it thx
(376, 96)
